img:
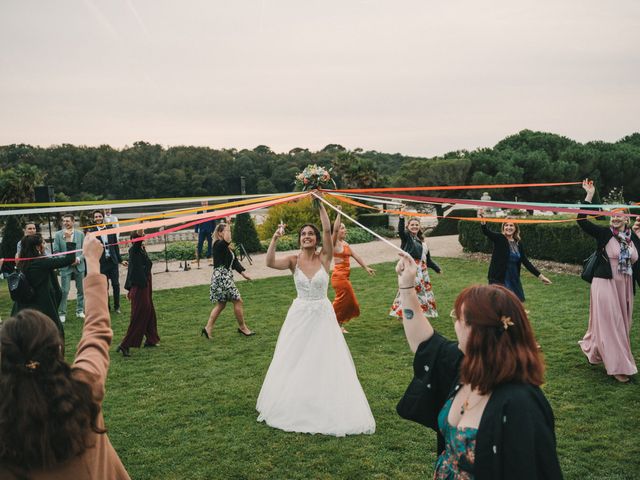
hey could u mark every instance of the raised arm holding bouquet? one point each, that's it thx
(311, 385)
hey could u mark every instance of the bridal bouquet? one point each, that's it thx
(314, 177)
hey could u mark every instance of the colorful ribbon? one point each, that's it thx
(452, 187)
(191, 220)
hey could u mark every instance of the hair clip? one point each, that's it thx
(506, 322)
(32, 365)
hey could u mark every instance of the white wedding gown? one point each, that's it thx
(311, 385)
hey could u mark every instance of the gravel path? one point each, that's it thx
(371, 252)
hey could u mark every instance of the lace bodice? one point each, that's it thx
(314, 288)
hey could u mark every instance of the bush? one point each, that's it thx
(374, 220)
(296, 214)
(385, 232)
(11, 235)
(176, 251)
(559, 242)
(449, 226)
(285, 243)
(244, 232)
(356, 234)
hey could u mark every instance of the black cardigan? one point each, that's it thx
(602, 236)
(139, 267)
(516, 437)
(223, 257)
(42, 277)
(500, 257)
(413, 246)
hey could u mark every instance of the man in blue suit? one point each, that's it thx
(205, 231)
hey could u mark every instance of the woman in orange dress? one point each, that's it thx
(345, 303)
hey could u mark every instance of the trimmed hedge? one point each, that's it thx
(374, 220)
(449, 226)
(559, 242)
(175, 251)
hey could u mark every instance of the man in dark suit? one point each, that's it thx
(110, 259)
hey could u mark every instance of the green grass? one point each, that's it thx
(186, 410)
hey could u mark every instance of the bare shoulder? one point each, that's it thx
(293, 261)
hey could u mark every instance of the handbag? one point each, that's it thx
(596, 265)
(19, 288)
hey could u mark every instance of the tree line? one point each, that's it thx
(146, 170)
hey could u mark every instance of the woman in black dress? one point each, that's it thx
(223, 288)
(144, 322)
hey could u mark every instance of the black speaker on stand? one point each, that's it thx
(45, 194)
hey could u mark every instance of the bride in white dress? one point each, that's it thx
(311, 385)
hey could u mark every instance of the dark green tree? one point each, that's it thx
(245, 233)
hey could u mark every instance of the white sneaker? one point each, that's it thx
(63, 318)
(80, 314)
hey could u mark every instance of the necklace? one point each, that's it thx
(465, 407)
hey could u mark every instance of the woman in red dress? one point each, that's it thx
(345, 303)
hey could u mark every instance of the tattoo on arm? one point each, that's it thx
(407, 313)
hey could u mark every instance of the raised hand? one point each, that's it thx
(92, 251)
(280, 230)
(481, 215)
(406, 270)
(588, 186)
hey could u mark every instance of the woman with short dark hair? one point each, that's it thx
(481, 394)
(51, 423)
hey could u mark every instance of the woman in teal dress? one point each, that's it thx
(481, 393)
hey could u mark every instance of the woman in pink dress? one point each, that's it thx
(608, 336)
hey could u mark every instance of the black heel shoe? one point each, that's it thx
(123, 350)
(204, 333)
(250, 334)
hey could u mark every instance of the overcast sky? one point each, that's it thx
(417, 77)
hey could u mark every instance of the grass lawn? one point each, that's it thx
(186, 410)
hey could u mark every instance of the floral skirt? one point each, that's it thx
(223, 288)
(423, 289)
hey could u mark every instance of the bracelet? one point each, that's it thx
(406, 288)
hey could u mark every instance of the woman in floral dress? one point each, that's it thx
(412, 242)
